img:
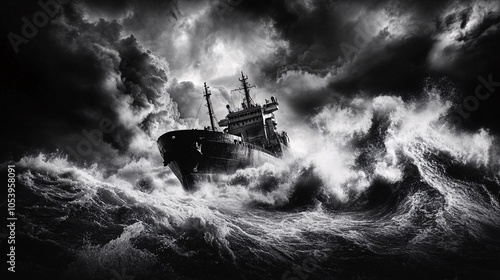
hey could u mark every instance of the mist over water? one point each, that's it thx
(384, 184)
(382, 189)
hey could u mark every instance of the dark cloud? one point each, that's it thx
(397, 68)
(397, 46)
(75, 74)
(150, 59)
(185, 94)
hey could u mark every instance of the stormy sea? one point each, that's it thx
(385, 189)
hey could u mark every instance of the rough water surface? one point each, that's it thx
(386, 191)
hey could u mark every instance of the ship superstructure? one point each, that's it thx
(249, 139)
(256, 123)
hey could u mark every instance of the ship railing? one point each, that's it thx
(255, 147)
(229, 138)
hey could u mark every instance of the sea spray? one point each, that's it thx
(386, 183)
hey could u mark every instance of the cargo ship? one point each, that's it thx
(249, 139)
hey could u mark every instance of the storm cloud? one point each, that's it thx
(142, 64)
(73, 76)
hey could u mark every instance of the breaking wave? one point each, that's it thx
(387, 190)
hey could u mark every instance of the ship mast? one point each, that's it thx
(209, 105)
(246, 87)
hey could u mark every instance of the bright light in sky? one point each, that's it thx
(228, 60)
(213, 55)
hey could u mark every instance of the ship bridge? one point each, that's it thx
(255, 123)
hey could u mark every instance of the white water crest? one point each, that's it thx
(320, 202)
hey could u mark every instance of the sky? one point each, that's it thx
(139, 66)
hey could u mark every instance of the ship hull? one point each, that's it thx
(200, 155)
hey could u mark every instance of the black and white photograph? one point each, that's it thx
(250, 139)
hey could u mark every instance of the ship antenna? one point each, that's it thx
(246, 87)
(209, 105)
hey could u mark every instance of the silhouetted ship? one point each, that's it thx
(249, 140)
